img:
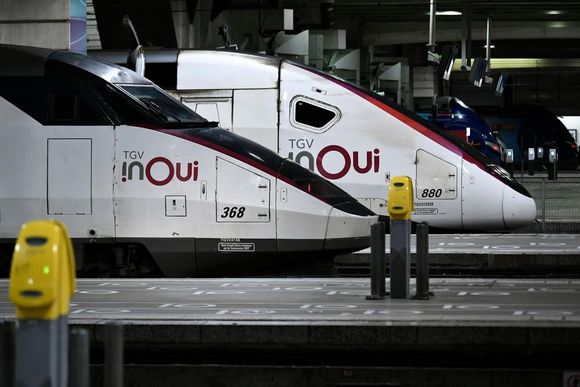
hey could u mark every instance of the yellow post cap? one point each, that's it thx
(42, 275)
(400, 198)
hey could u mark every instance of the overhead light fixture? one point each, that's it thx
(553, 12)
(527, 63)
(445, 13)
(448, 13)
(558, 24)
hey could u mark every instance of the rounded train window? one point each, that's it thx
(312, 115)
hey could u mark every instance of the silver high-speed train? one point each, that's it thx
(134, 175)
(346, 134)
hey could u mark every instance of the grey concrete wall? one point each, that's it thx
(37, 23)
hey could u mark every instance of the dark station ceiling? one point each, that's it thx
(530, 28)
(500, 10)
(546, 31)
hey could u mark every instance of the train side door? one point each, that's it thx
(79, 159)
(69, 176)
(243, 200)
(436, 190)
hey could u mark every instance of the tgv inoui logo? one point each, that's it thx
(158, 171)
(341, 158)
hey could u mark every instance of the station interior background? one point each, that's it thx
(389, 46)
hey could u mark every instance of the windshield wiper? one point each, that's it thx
(158, 111)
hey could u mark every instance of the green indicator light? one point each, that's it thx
(46, 270)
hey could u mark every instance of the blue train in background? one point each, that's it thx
(493, 130)
(455, 117)
(532, 126)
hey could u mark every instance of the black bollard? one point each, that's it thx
(377, 261)
(422, 263)
(79, 358)
(400, 258)
(6, 353)
(113, 374)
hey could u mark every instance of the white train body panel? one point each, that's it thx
(200, 199)
(28, 152)
(144, 203)
(360, 155)
(354, 139)
(161, 193)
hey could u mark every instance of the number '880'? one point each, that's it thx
(431, 193)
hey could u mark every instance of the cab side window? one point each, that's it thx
(54, 102)
(62, 107)
(312, 115)
(24, 93)
(71, 104)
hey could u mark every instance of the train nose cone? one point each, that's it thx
(518, 210)
(348, 232)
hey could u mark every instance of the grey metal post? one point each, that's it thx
(6, 353)
(377, 261)
(62, 332)
(553, 165)
(400, 266)
(466, 36)
(432, 21)
(41, 349)
(79, 358)
(531, 162)
(422, 292)
(113, 355)
(488, 42)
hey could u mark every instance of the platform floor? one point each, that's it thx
(498, 244)
(509, 255)
(523, 302)
(323, 331)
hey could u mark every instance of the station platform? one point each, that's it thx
(477, 255)
(324, 332)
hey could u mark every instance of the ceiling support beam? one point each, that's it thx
(466, 36)
(432, 13)
(488, 41)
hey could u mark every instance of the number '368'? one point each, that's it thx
(233, 212)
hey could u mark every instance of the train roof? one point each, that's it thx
(170, 67)
(32, 61)
(235, 69)
(23, 61)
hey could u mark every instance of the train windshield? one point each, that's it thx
(316, 186)
(161, 105)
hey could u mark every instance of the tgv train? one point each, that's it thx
(133, 173)
(349, 135)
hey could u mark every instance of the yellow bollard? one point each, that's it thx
(400, 198)
(42, 283)
(400, 207)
